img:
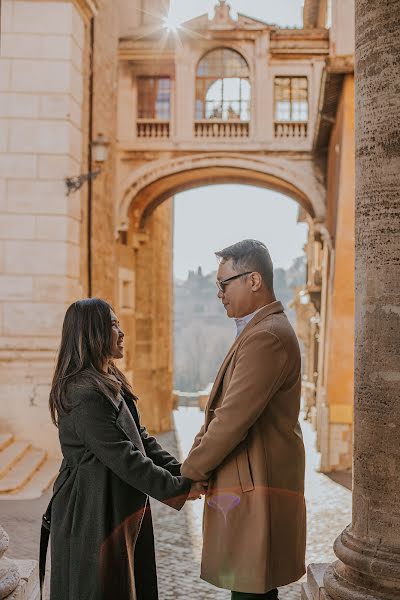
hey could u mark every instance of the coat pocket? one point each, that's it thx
(243, 465)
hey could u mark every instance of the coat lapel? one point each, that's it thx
(220, 374)
(269, 309)
(127, 425)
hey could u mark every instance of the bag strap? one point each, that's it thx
(44, 542)
(45, 535)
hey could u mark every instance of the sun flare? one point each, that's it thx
(171, 22)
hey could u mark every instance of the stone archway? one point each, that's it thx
(148, 186)
(149, 232)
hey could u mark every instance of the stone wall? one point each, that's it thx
(44, 137)
(336, 447)
(41, 142)
(152, 361)
(104, 271)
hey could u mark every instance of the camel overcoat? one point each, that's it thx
(102, 545)
(251, 450)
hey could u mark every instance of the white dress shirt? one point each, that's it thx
(242, 322)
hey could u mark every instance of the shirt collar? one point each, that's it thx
(243, 321)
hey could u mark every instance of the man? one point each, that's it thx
(250, 447)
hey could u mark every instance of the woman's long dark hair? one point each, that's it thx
(85, 349)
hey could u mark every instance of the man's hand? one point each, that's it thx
(198, 489)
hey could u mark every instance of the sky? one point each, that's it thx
(210, 218)
(280, 12)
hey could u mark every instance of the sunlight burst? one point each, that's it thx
(171, 22)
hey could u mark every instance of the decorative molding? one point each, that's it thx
(291, 177)
(87, 8)
(222, 17)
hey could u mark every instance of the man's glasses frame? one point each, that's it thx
(221, 285)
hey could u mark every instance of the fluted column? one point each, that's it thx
(369, 549)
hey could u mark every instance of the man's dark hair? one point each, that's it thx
(250, 255)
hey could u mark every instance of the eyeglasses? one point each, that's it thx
(221, 285)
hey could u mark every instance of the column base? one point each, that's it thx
(363, 572)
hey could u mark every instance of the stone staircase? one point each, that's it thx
(25, 472)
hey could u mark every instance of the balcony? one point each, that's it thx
(292, 129)
(153, 128)
(216, 128)
(157, 134)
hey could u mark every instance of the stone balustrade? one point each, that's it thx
(216, 128)
(152, 128)
(212, 128)
(292, 129)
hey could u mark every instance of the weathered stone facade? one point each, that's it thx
(113, 238)
(329, 293)
(58, 92)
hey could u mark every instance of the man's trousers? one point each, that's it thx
(271, 595)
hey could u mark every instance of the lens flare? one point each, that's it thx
(224, 503)
(171, 22)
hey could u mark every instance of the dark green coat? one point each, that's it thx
(102, 545)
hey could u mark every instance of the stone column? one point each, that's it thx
(369, 549)
(184, 96)
(261, 115)
(152, 359)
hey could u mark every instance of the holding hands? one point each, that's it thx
(197, 490)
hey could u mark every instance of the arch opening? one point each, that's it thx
(152, 184)
(205, 221)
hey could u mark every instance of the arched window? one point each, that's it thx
(222, 86)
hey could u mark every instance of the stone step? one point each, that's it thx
(11, 455)
(23, 470)
(315, 580)
(39, 483)
(5, 440)
(305, 592)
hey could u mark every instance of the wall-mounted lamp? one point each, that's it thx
(99, 154)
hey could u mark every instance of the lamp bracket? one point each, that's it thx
(75, 183)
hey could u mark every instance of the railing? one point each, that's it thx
(212, 128)
(152, 128)
(291, 130)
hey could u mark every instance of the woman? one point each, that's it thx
(102, 545)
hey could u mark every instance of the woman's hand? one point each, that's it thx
(197, 490)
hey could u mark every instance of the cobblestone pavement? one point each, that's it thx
(178, 534)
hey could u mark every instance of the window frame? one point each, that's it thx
(291, 99)
(153, 98)
(203, 84)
